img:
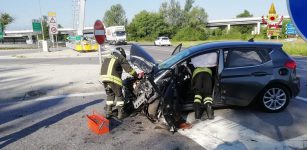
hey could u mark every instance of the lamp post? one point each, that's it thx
(40, 11)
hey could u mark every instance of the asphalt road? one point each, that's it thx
(25, 51)
(46, 119)
(161, 53)
(61, 123)
(16, 52)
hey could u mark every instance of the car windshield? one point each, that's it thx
(120, 33)
(173, 59)
(164, 38)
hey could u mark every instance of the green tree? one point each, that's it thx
(197, 18)
(147, 25)
(45, 28)
(245, 29)
(115, 16)
(172, 13)
(189, 16)
(188, 5)
(191, 34)
(5, 19)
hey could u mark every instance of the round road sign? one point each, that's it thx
(99, 32)
(53, 30)
(297, 10)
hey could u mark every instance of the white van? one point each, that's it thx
(116, 35)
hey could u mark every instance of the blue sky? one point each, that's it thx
(25, 10)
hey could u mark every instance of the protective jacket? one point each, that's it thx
(112, 68)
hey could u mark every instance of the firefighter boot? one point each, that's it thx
(197, 109)
(108, 111)
(209, 111)
(120, 114)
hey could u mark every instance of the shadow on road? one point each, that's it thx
(231, 145)
(6, 140)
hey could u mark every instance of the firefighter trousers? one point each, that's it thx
(114, 94)
(202, 86)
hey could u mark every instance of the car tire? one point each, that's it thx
(274, 98)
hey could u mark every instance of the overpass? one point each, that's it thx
(257, 21)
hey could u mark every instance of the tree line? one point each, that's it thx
(180, 24)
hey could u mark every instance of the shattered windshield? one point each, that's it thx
(173, 59)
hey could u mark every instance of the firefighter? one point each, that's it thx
(202, 83)
(111, 71)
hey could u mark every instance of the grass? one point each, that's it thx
(298, 47)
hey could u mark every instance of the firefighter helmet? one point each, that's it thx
(121, 50)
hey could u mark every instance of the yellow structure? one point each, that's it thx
(272, 16)
(85, 46)
(274, 22)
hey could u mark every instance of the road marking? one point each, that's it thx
(301, 98)
(301, 69)
(56, 97)
(221, 133)
(301, 60)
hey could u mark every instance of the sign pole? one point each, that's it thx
(37, 41)
(100, 36)
(100, 59)
(56, 39)
(42, 29)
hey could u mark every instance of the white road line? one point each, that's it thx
(301, 98)
(57, 97)
(301, 60)
(301, 69)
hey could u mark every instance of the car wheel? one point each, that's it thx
(155, 44)
(274, 98)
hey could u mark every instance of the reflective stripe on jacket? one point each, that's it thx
(201, 69)
(112, 68)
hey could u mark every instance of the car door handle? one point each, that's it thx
(259, 73)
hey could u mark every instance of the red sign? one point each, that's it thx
(99, 32)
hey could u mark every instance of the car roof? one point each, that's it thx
(229, 44)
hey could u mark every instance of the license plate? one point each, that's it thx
(139, 101)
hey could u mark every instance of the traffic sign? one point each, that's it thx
(1, 31)
(74, 38)
(53, 30)
(53, 26)
(36, 26)
(290, 29)
(99, 32)
(297, 10)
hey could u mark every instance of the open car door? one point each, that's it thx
(177, 49)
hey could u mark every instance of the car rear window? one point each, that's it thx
(241, 58)
(164, 38)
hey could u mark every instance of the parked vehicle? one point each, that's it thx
(247, 72)
(162, 41)
(116, 35)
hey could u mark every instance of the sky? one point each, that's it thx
(25, 10)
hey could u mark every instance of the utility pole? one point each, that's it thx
(81, 16)
(44, 43)
(40, 11)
